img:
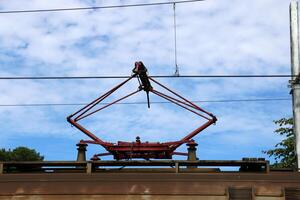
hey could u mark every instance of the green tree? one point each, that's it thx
(3, 155)
(20, 154)
(284, 151)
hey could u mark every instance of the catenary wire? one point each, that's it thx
(175, 41)
(97, 7)
(158, 76)
(124, 6)
(142, 102)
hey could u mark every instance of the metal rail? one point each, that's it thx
(173, 166)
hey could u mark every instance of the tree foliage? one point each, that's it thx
(20, 154)
(284, 151)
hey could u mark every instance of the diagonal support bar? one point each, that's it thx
(88, 107)
(177, 103)
(116, 101)
(161, 85)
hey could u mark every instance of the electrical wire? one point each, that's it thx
(159, 76)
(96, 7)
(175, 40)
(142, 102)
(116, 77)
(121, 77)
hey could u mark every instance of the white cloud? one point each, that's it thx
(214, 37)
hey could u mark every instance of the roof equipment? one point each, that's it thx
(138, 149)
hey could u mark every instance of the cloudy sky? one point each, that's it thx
(214, 37)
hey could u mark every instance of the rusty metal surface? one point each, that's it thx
(203, 184)
(292, 193)
(240, 193)
(115, 197)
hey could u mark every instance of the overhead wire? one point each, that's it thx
(97, 7)
(158, 76)
(142, 102)
(120, 77)
(116, 77)
(175, 41)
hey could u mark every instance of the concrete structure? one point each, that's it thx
(295, 82)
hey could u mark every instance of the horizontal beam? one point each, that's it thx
(137, 162)
(90, 165)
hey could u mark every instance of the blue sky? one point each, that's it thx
(214, 37)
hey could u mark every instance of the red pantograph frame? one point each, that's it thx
(138, 149)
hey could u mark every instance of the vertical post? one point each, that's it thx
(89, 168)
(192, 152)
(1, 168)
(177, 167)
(267, 167)
(81, 151)
(295, 84)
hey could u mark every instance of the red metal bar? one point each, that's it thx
(195, 132)
(177, 100)
(180, 154)
(191, 106)
(158, 83)
(119, 149)
(155, 92)
(98, 100)
(90, 142)
(94, 104)
(88, 133)
(173, 143)
(116, 101)
(102, 154)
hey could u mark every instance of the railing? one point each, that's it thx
(172, 166)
